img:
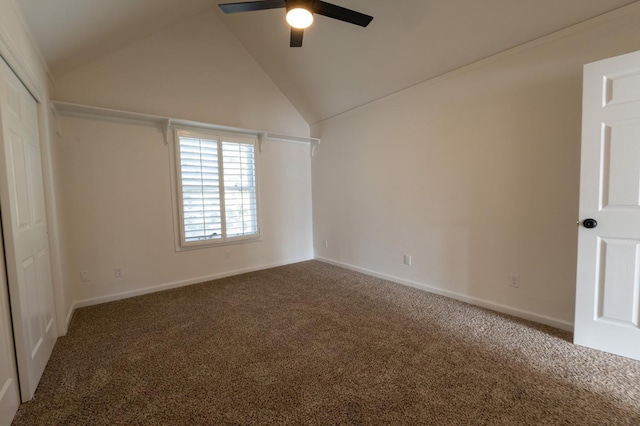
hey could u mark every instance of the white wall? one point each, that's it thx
(115, 177)
(474, 174)
(21, 53)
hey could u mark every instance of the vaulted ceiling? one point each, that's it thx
(340, 66)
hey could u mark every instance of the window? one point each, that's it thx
(217, 188)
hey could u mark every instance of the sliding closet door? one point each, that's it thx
(9, 390)
(25, 232)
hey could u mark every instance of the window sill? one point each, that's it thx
(218, 244)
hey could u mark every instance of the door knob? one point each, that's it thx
(590, 223)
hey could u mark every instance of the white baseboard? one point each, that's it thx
(176, 284)
(520, 313)
(72, 309)
(63, 328)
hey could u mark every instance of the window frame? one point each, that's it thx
(176, 171)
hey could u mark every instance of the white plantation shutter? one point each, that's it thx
(217, 183)
(239, 189)
(200, 189)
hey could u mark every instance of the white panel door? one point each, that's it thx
(9, 390)
(608, 279)
(25, 232)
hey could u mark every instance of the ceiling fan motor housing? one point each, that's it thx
(303, 4)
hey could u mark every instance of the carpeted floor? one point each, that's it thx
(311, 343)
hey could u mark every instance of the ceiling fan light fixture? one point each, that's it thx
(300, 13)
(299, 18)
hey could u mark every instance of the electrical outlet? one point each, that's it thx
(227, 255)
(407, 259)
(514, 280)
(325, 243)
(118, 271)
(84, 276)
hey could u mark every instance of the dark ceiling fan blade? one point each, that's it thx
(296, 37)
(249, 6)
(341, 13)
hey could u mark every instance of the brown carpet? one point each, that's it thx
(311, 343)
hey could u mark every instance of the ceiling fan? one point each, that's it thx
(300, 13)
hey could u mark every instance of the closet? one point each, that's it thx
(27, 312)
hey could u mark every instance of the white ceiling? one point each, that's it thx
(340, 66)
(72, 33)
